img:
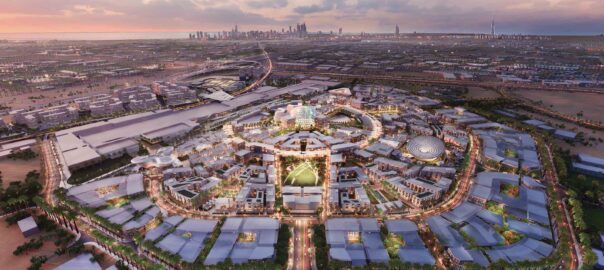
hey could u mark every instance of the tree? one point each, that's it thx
(589, 257)
(283, 245)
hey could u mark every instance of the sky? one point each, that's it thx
(548, 17)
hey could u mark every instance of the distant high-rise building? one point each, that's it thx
(340, 31)
(493, 27)
(396, 30)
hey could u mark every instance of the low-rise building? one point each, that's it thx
(245, 239)
(191, 192)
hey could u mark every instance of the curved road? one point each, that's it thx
(552, 177)
(259, 81)
(460, 195)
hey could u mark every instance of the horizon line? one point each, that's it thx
(314, 32)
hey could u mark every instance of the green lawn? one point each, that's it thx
(393, 242)
(389, 194)
(496, 208)
(304, 174)
(594, 217)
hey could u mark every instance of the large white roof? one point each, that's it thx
(80, 144)
(426, 147)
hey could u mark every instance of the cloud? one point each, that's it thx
(326, 5)
(107, 12)
(84, 9)
(267, 3)
(512, 16)
(90, 10)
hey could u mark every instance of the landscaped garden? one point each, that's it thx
(510, 237)
(303, 174)
(510, 190)
(393, 242)
(510, 153)
(496, 208)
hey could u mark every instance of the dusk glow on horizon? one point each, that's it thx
(549, 17)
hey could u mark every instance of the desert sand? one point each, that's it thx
(569, 103)
(16, 170)
(11, 239)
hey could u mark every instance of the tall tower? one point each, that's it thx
(396, 30)
(493, 28)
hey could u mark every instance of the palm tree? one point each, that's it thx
(11, 203)
(23, 201)
(72, 218)
(60, 211)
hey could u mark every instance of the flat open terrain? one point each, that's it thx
(31, 97)
(305, 174)
(15, 170)
(479, 93)
(569, 103)
(11, 239)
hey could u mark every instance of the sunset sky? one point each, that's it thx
(511, 16)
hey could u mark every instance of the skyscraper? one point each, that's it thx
(340, 31)
(493, 28)
(397, 30)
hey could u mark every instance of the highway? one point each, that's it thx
(492, 84)
(259, 81)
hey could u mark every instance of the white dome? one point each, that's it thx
(426, 147)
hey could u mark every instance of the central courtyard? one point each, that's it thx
(303, 174)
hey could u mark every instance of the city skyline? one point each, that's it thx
(546, 17)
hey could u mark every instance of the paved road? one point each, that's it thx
(552, 178)
(460, 195)
(302, 257)
(259, 81)
(412, 79)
